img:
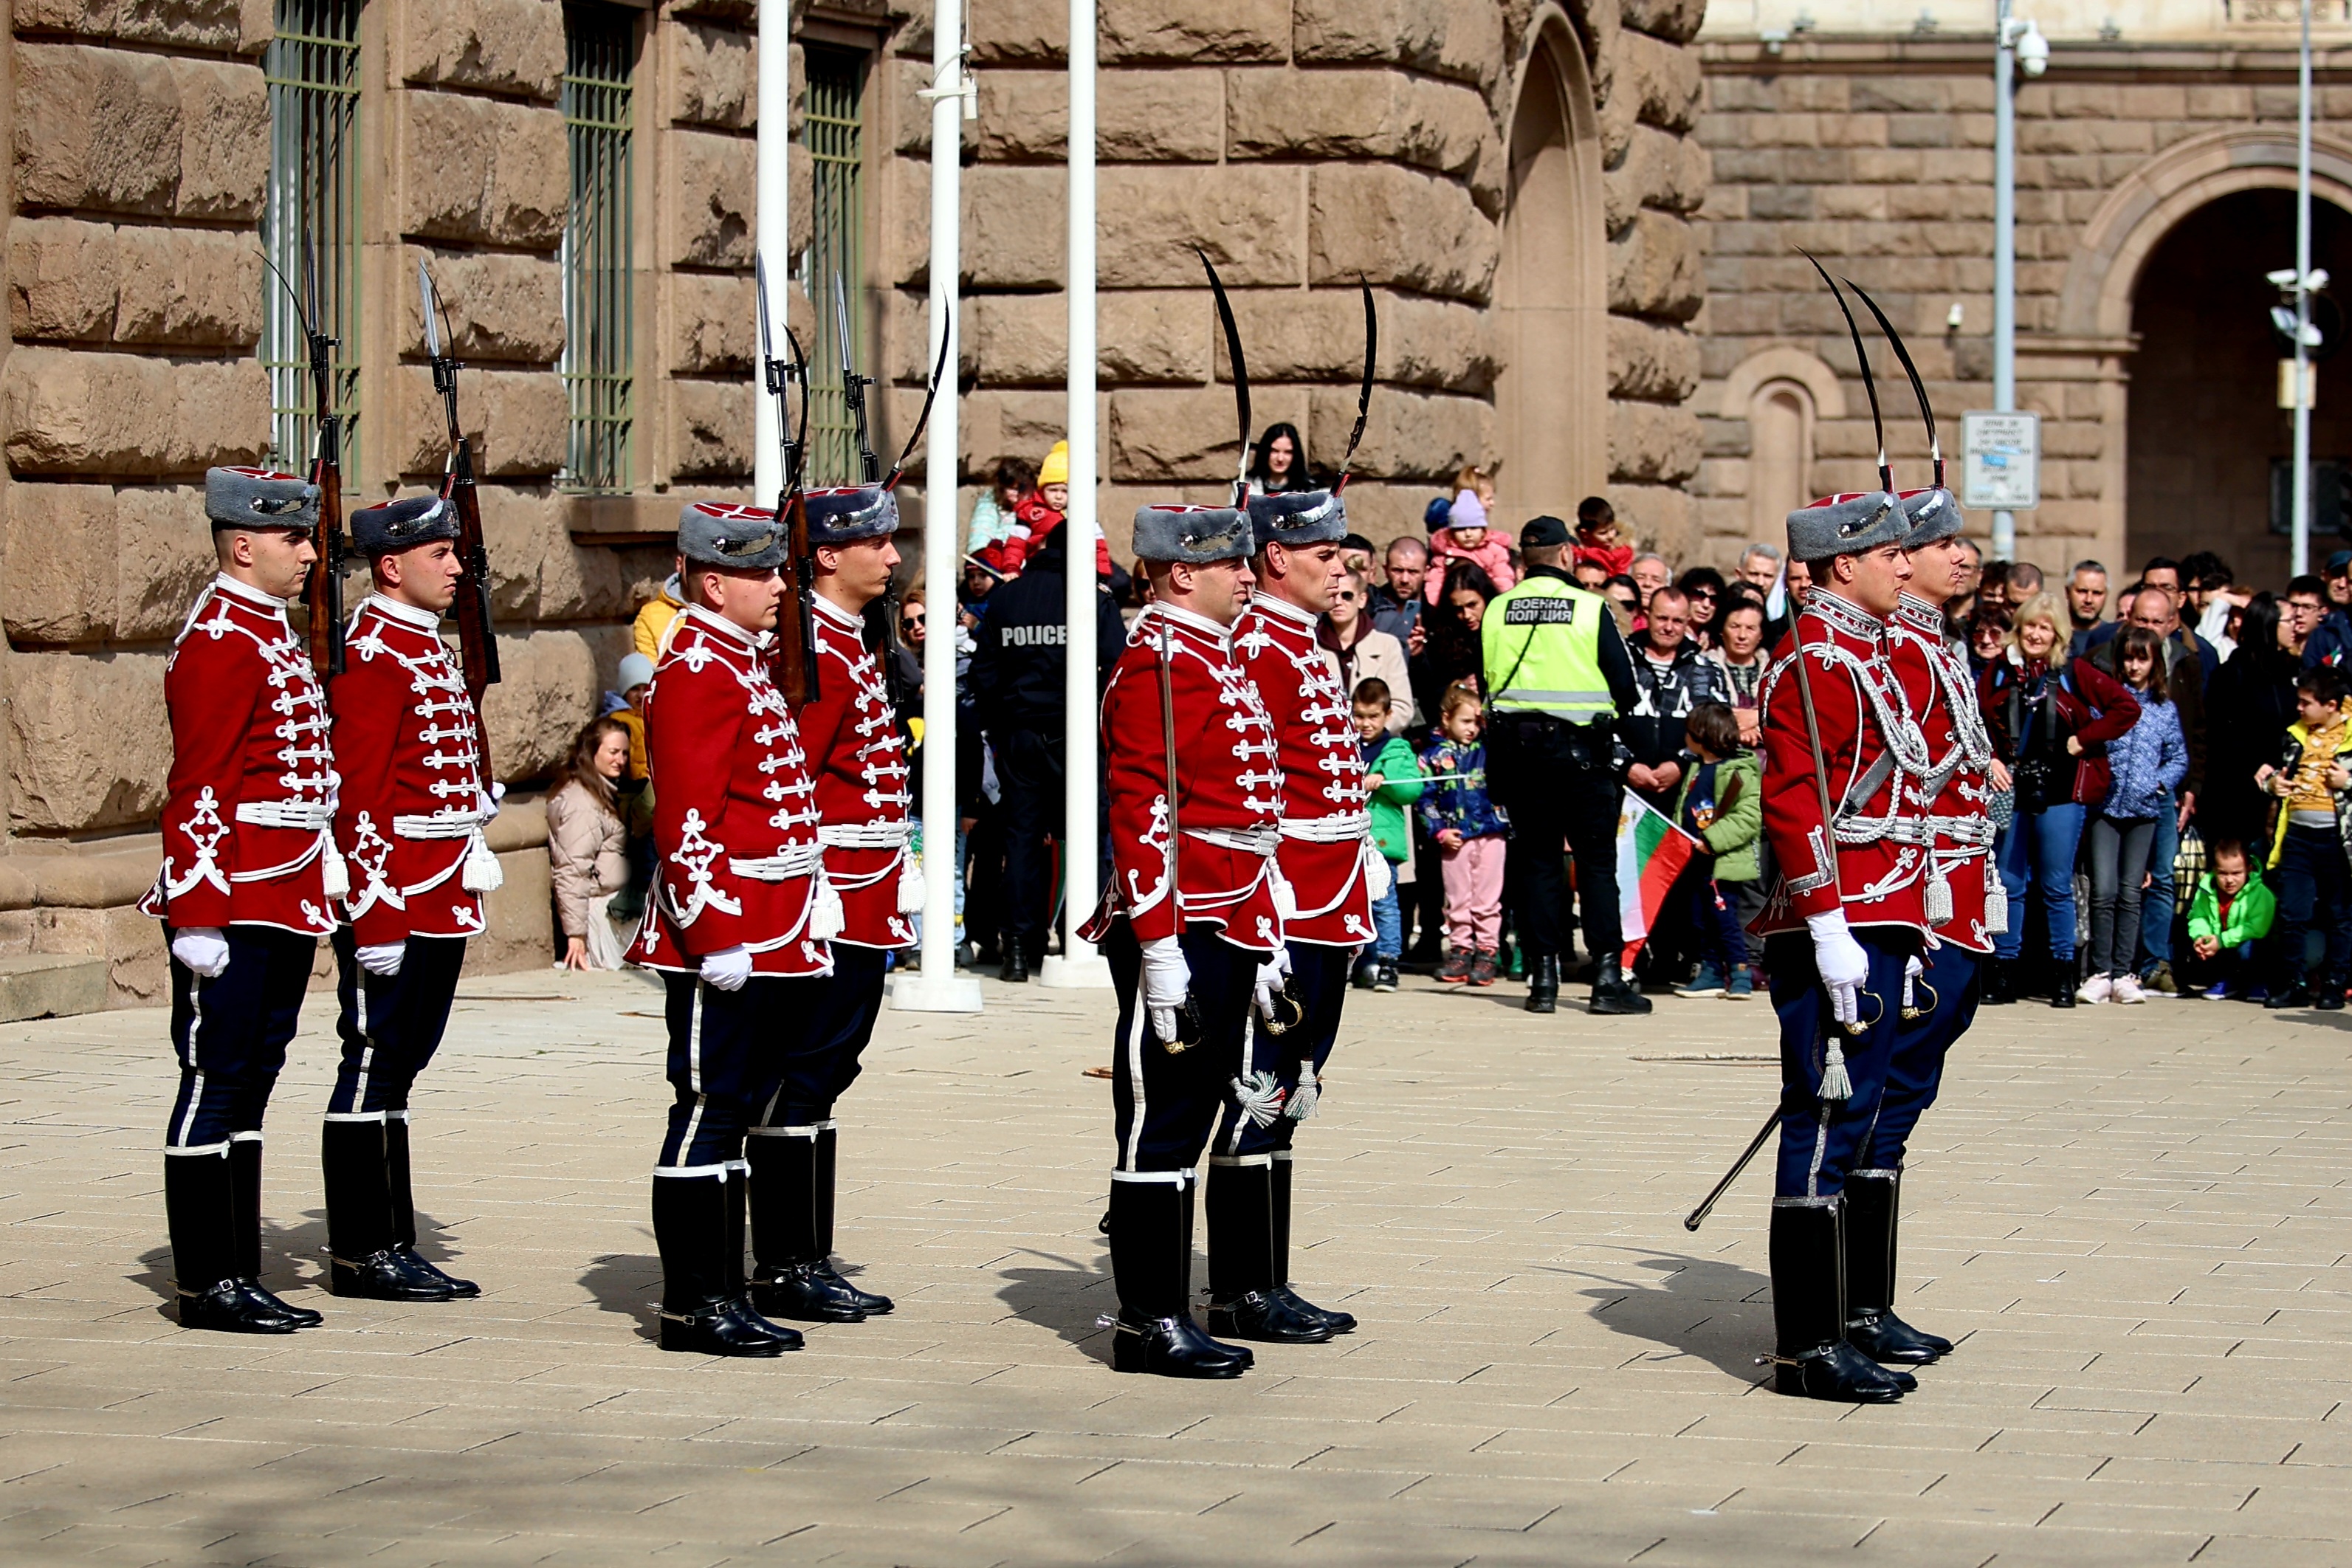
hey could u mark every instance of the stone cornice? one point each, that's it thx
(2239, 64)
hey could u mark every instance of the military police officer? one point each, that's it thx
(1557, 676)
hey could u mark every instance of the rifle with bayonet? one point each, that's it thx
(794, 661)
(477, 648)
(322, 595)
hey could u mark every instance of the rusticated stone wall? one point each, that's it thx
(1302, 144)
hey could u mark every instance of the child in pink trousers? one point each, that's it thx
(1470, 831)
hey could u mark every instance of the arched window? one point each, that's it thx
(1780, 456)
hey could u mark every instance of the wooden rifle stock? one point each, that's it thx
(793, 661)
(323, 595)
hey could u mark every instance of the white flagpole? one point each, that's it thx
(772, 229)
(1079, 965)
(939, 988)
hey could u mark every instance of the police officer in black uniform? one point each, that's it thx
(1557, 676)
(1017, 676)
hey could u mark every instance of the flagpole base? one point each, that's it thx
(927, 993)
(1085, 969)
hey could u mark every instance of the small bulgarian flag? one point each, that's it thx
(1651, 853)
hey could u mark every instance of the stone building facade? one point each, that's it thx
(2154, 172)
(1516, 182)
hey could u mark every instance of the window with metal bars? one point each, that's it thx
(601, 51)
(310, 220)
(833, 126)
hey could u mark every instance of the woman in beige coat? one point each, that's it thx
(586, 845)
(1358, 653)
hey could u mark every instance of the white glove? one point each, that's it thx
(1271, 974)
(730, 968)
(490, 798)
(1912, 970)
(203, 950)
(1843, 965)
(1167, 981)
(384, 958)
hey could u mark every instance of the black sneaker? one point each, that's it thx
(1385, 977)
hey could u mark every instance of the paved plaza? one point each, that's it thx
(2133, 1220)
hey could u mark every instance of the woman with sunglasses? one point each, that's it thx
(1358, 651)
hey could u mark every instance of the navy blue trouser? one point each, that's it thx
(1165, 1106)
(728, 1052)
(1916, 1071)
(391, 1024)
(2315, 889)
(1820, 1139)
(230, 1033)
(821, 1057)
(1318, 977)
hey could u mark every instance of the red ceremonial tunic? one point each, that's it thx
(853, 736)
(250, 806)
(1874, 764)
(1228, 787)
(1961, 875)
(410, 746)
(1326, 821)
(735, 845)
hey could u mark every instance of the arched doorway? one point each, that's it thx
(1552, 289)
(2206, 433)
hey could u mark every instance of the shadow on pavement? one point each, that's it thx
(1716, 1312)
(1067, 1298)
(628, 1284)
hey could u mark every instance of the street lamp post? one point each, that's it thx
(2302, 283)
(2017, 45)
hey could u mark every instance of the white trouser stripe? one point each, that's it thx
(694, 1066)
(1135, 1032)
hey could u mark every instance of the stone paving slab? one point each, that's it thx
(2135, 1223)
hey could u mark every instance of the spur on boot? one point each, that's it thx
(228, 1308)
(807, 1293)
(725, 1328)
(1887, 1339)
(382, 1276)
(1338, 1322)
(1173, 1347)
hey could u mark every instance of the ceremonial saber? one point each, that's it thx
(1697, 1216)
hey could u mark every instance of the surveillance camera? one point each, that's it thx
(2032, 51)
(2282, 279)
(1952, 318)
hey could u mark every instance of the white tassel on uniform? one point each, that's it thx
(1939, 898)
(1378, 878)
(910, 885)
(1835, 1084)
(1996, 903)
(1259, 1097)
(1303, 1097)
(824, 916)
(483, 874)
(1286, 899)
(332, 872)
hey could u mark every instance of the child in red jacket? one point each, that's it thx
(1596, 538)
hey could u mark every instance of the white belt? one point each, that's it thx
(440, 824)
(1338, 829)
(799, 860)
(1261, 841)
(307, 816)
(865, 835)
(1920, 832)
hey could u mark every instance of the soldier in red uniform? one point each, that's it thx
(243, 893)
(852, 739)
(1964, 906)
(1844, 763)
(732, 925)
(414, 800)
(1190, 924)
(1327, 864)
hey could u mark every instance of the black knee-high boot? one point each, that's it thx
(824, 1183)
(1151, 1268)
(200, 1208)
(787, 1281)
(245, 1178)
(1283, 1173)
(693, 1223)
(1811, 1356)
(361, 1260)
(1873, 1202)
(403, 1202)
(1241, 1302)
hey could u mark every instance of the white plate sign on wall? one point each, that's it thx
(2000, 462)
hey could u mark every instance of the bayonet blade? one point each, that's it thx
(767, 338)
(432, 324)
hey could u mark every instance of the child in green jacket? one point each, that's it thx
(1721, 804)
(1395, 785)
(2231, 911)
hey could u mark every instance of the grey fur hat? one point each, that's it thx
(260, 498)
(850, 513)
(1300, 518)
(719, 533)
(1934, 514)
(392, 526)
(1846, 524)
(1195, 535)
